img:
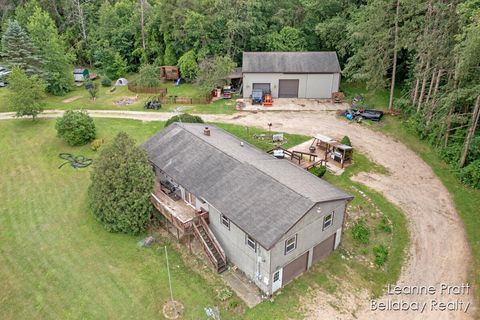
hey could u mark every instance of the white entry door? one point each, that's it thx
(277, 280)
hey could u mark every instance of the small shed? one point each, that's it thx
(169, 73)
(121, 82)
(80, 74)
(341, 153)
(336, 151)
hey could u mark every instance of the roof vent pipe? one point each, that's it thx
(206, 131)
(241, 143)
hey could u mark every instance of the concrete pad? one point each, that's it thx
(244, 288)
(291, 104)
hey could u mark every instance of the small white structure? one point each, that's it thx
(121, 82)
(80, 74)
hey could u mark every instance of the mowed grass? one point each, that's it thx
(80, 99)
(266, 144)
(56, 261)
(467, 200)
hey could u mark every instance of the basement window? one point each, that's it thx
(290, 244)
(251, 243)
(328, 220)
(225, 221)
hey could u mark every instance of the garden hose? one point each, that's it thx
(76, 162)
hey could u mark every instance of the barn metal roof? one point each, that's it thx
(291, 62)
(262, 195)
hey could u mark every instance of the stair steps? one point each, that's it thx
(210, 245)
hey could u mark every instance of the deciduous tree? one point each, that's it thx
(26, 93)
(44, 35)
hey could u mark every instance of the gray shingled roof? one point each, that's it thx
(262, 195)
(291, 62)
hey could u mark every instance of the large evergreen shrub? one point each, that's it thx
(76, 127)
(122, 181)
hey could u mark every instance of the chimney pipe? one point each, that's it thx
(206, 131)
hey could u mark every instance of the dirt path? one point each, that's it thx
(439, 251)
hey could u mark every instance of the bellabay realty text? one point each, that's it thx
(441, 297)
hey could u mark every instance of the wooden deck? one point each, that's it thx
(187, 221)
(176, 212)
(305, 160)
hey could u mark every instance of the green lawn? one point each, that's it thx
(56, 261)
(247, 134)
(467, 200)
(106, 100)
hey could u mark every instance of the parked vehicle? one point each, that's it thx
(257, 96)
(3, 76)
(360, 114)
(152, 103)
(227, 92)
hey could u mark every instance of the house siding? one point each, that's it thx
(260, 265)
(255, 265)
(310, 85)
(309, 234)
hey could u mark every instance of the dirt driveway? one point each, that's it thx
(439, 251)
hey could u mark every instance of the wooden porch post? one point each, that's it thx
(190, 243)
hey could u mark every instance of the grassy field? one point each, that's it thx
(56, 261)
(467, 200)
(247, 134)
(79, 98)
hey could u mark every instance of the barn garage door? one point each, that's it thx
(288, 89)
(323, 249)
(262, 86)
(295, 268)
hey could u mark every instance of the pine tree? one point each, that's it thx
(44, 35)
(18, 50)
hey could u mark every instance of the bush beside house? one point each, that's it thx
(122, 180)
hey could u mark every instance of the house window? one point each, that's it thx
(328, 220)
(290, 244)
(251, 243)
(225, 221)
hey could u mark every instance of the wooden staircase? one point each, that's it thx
(210, 244)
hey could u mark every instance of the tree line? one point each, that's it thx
(426, 49)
